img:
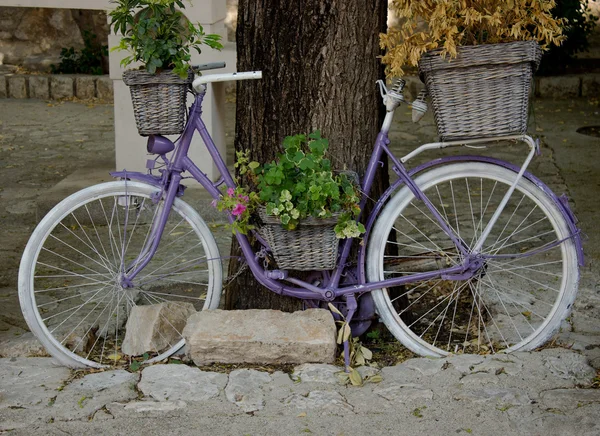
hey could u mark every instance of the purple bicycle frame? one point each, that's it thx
(169, 183)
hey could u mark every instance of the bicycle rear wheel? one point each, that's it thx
(70, 278)
(516, 301)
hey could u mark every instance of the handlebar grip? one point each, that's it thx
(209, 66)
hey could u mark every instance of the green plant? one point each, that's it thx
(90, 60)
(448, 24)
(158, 35)
(300, 183)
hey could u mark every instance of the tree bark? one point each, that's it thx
(319, 60)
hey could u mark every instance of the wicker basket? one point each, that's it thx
(159, 101)
(484, 92)
(312, 246)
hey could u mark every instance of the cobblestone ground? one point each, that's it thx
(42, 144)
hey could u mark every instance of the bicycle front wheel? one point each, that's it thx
(71, 284)
(515, 301)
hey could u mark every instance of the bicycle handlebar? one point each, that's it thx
(201, 80)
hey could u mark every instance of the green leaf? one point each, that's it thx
(334, 310)
(355, 377)
(374, 378)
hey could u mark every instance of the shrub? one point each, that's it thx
(90, 60)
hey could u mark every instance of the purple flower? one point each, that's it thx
(238, 209)
(244, 198)
(230, 192)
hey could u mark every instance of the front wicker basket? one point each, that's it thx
(159, 101)
(484, 92)
(312, 246)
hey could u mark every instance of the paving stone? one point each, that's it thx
(559, 86)
(479, 378)
(17, 87)
(465, 363)
(320, 400)
(3, 89)
(569, 399)
(30, 382)
(181, 382)
(425, 366)
(155, 327)
(155, 406)
(39, 87)
(398, 393)
(104, 88)
(500, 396)
(399, 373)
(568, 365)
(502, 364)
(24, 345)
(261, 336)
(84, 397)
(244, 389)
(61, 87)
(317, 373)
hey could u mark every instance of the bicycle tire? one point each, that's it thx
(70, 275)
(512, 303)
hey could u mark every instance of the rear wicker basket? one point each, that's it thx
(159, 101)
(484, 91)
(311, 246)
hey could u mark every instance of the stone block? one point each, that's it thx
(104, 88)
(155, 327)
(61, 87)
(3, 90)
(590, 85)
(39, 87)
(17, 87)
(181, 383)
(261, 336)
(85, 87)
(559, 87)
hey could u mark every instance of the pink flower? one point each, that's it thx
(244, 198)
(230, 192)
(238, 209)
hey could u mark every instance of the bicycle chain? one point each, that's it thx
(232, 277)
(262, 254)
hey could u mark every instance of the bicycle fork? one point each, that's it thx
(158, 225)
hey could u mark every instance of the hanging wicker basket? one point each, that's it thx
(312, 246)
(484, 91)
(159, 101)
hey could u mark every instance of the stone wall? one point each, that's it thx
(34, 37)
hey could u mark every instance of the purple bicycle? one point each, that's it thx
(463, 254)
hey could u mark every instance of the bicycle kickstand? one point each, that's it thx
(351, 305)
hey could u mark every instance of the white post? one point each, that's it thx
(130, 147)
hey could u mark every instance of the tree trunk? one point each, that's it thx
(319, 63)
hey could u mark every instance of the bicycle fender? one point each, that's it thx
(135, 175)
(561, 202)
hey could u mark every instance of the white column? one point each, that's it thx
(130, 147)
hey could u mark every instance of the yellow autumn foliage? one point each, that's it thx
(447, 24)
